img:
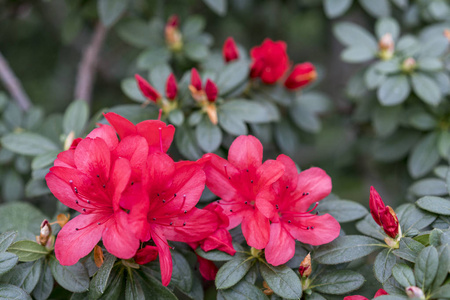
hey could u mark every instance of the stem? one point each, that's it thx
(88, 64)
(13, 84)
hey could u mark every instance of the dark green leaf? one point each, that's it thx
(193, 27)
(241, 291)
(231, 123)
(28, 250)
(133, 289)
(386, 119)
(379, 8)
(153, 287)
(45, 284)
(345, 249)
(426, 267)
(305, 118)
(21, 217)
(187, 144)
(44, 160)
(338, 282)
(110, 10)
(12, 186)
(408, 249)
(249, 111)
(27, 143)
(395, 146)
(158, 76)
(412, 217)
(74, 278)
(370, 228)
(315, 296)
(435, 205)
(429, 64)
(444, 145)
(404, 275)
(25, 275)
(373, 77)
(282, 280)
(132, 31)
(197, 289)
(76, 117)
(8, 291)
(152, 58)
(353, 35)
(218, 6)
(442, 293)
(387, 25)
(7, 262)
(176, 117)
(114, 287)
(213, 255)
(130, 88)
(287, 137)
(443, 268)
(196, 51)
(435, 237)
(383, 265)
(233, 271)
(6, 240)
(343, 210)
(181, 274)
(232, 76)
(335, 8)
(98, 283)
(429, 187)
(209, 136)
(357, 54)
(424, 156)
(394, 90)
(426, 89)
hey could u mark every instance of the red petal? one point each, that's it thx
(211, 90)
(171, 87)
(147, 90)
(135, 149)
(269, 172)
(93, 157)
(196, 81)
(122, 126)
(65, 159)
(217, 176)
(117, 238)
(323, 229)
(158, 175)
(376, 205)
(150, 130)
(266, 201)
(356, 297)
(72, 244)
(207, 268)
(281, 246)
(246, 152)
(220, 240)
(290, 174)
(256, 229)
(165, 258)
(380, 292)
(301, 75)
(107, 134)
(146, 255)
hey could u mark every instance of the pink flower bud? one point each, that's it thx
(196, 81)
(147, 90)
(211, 90)
(229, 50)
(171, 87)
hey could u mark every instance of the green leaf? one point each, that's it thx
(394, 90)
(387, 25)
(444, 145)
(305, 118)
(343, 210)
(404, 275)
(158, 77)
(231, 123)
(181, 274)
(9, 291)
(338, 282)
(429, 186)
(314, 296)
(233, 271)
(28, 250)
(25, 275)
(435, 237)
(408, 249)
(248, 110)
(383, 264)
(435, 205)
(27, 143)
(412, 217)
(241, 291)
(132, 31)
(76, 117)
(386, 119)
(21, 217)
(45, 284)
(44, 160)
(187, 144)
(130, 88)
(176, 117)
(353, 35)
(426, 89)
(336, 8)
(443, 268)
(357, 54)
(133, 289)
(426, 267)
(396, 146)
(282, 280)
(153, 57)
(430, 64)
(422, 120)
(368, 227)
(12, 186)
(424, 156)
(373, 77)
(441, 293)
(110, 10)
(379, 8)
(232, 76)
(152, 286)
(196, 51)
(217, 6)
(6, 240)
(114, 289)
(7, 262)
(193, 27)
(345, 249)
(213, 255)
(209, 136)
(287, 137)
(98, 283)
(74, 278)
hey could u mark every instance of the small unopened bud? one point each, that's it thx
(305, 266)
(389, 222)
(173, 35)
(98, 256)
(171, 87)
(409, 65)
(302, 75)
(386, 46)
(147, 90)
(211, 90)
(267, 290)
(229, 50)
(414, 292)
(46, 232)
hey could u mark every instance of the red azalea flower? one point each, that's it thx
(383, 215)
(147, 90)
(173, 190)
(287, 203)
(171, 87)
(301, 75)
(95, 181)
(239, 181)
(380, 292)
(270, 61)
(229, 50)
(158, 135)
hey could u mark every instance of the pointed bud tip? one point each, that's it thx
(211, 90)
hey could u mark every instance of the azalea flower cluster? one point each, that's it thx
(132, 196)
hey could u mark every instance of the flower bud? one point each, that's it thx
(45, 234)
(386, 46)
(171, 87)
(147, 90)
(229, 50)
(414, 292)
(389, 222)
(173, 35)
(196, 81)
(301, 75)
(409, 65)
(305, 266)
(211, 90)
(376, 205)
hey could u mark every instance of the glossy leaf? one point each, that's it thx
(74, 278)
(7, 262)
(404, 275)
(76, 117)
(282, 280)
(338, 282)
(336, 8)
(233, 271)
(435, 205)
(383, 264)
(27, 143)
(426, 267)
(394, 90)
(28, 250)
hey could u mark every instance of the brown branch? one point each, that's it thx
(13, 84)
(88, 64)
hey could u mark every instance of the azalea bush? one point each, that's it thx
(204, 155)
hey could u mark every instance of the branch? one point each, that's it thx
(13, 84)
(88, 64)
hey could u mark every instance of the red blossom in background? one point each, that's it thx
(171, 87)
(229, 50)
(270, 61)
(147, 90)
(211, 90)
(286, 204)
(239, 181)
(300, 76)
(380, 292)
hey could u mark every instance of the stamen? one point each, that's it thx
(184, 224)
(160, 140)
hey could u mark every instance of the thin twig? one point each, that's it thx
(13, 84)
(88, 63)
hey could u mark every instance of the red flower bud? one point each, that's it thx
(229, 50)
(147, 90)
(173, 21)
(305, 266)
(171, 87)
(211, 90)
(389, 221)
(376, 205)
(301, 75)
(196, 81)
